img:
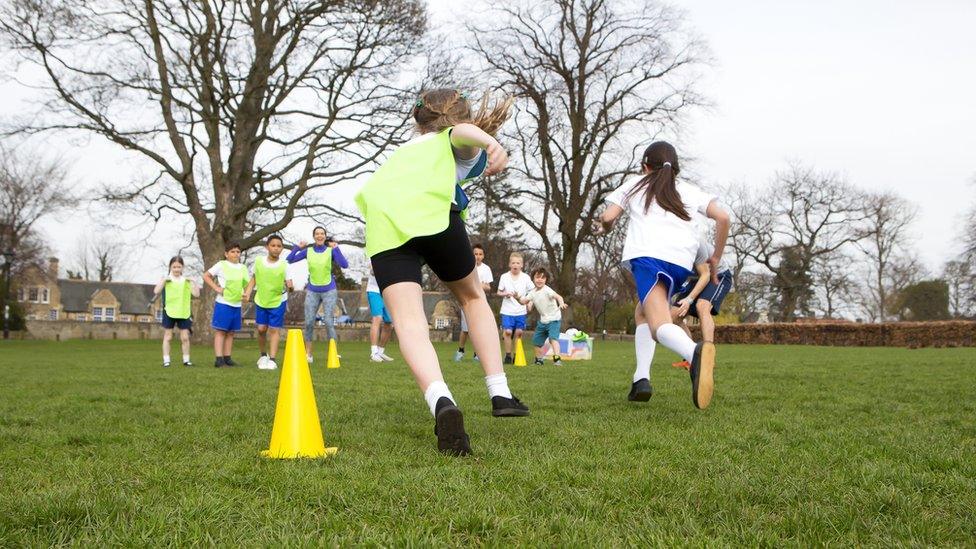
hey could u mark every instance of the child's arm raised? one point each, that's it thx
(158, 289)
(721, 218)
(468, 138)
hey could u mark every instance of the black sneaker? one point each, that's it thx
(540, 362)
(556, 361)
(508, 407)
(229, 362)
(640, 391)
(508, 359)
(702, 371)
(166, 364)
(188, 363)
(219, 362)
(449, 428)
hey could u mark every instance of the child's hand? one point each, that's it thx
(713, 268)
(685, 304)
(497, 159)
(563, 306)
(245, 298)
(220, 290)
(597, 227)
(303, 244)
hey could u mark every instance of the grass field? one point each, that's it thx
(802, 445)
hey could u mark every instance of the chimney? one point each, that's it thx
(52, 269)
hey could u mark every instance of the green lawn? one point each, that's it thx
(802, 445)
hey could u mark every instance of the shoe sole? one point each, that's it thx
(509, 412)
(451, 437)
(704, 386)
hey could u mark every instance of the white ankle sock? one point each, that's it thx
(381, 350)
(165, 358)
(645, 345)
(674, 338)
(498, 386)
(186, 358)
(434, 392)
(373, 349)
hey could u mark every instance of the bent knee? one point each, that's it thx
(704, 307)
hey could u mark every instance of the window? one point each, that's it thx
(97, 314)
(109, 314)
(52, 314)
(159, 314)
(32, 295)
(441, 323)
(125, 318)
(81, 316)
(144, 319)
(45, 295)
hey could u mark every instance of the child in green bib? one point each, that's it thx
(178, 292)
(227, 279)
(414, 207)
(269, 275)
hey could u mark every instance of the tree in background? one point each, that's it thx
(925, 300)
(885, 242)
(594, 79)
(833, 286)
(97, 258)
(960, 276)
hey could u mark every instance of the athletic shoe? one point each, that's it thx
(640, 391)
(262, 362)
(229, 362)
(557, 361)
(458, 356)
(188, 363)
(166, 364)
(476, 358)
(683, 364)
(508, 407)
(219, 362)
(375, 357)
(310, 359)
(539, 362)
(702, 372)
(271, 364)
(449, 428)
(386, 358)
(508, 359)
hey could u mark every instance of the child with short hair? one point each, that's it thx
(414, 208)
(178, 293)
(486, 278)
(660, 251)
(701, 297)
(549, 304)
(513, 285)
(269, 275)
(381, 325)
(227, 279)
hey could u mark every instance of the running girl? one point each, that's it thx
(178, 293)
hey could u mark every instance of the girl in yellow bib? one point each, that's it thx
(178, 291)
(414, 208)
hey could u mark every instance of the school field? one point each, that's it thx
(100, 445)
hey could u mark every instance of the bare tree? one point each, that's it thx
(97, 258)
(246, 107)
(787, 225)
(960, 275)
(594, 77)
(834, 284)
(884, 236)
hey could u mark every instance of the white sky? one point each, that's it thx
(879, 91)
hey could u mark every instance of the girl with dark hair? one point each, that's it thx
(414, 209)
(178, 292)
(320, 291)
(660, 252)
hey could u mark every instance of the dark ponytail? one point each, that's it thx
(658, 185)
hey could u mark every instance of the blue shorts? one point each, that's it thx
(376, 306)
(273, 318)
(226, 318)
(648, 272)
(181, 323)
(513, 322)
(712, 293)
(544, 331)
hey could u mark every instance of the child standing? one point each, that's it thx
(549, 304)
(269, 276)
(660, 250)
(227, 279)
(513, 285)
(321, 287)
(486, 278)
(178, 293)
(414, 208)
(381, 327)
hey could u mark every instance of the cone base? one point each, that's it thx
(327, 452)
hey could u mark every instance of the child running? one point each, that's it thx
(549, 304)
(486, 278)
(706, 296)
(414, 208)
(227, 279)
(660, 250)
(178, 293)
(513, 286)
(381, 327)
(269, 276)
(321, 287)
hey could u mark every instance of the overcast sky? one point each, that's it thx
(881, 92)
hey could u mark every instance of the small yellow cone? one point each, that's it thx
(297, 431)
(519, 353)
(333, 361)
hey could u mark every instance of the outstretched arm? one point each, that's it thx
(605, 222)
(468, 138)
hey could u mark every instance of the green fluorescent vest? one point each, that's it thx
(409, 195)
(270, 283)
(235, 277)
(178, 297)
(319, 266)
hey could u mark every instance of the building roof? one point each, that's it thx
(133, 298)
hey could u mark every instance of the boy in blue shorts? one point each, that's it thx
(704, 293)
(269, 275)
(513, 286)
(381, 327)
(549, 304)
(227, 279)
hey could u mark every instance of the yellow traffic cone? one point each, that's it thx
(297, 431)
(333, 361)
(519, 353)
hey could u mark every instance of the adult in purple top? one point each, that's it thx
(321, 286)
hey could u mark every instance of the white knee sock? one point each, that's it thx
(434, 392)
(674, 338)
(645, 345)
(498, 386)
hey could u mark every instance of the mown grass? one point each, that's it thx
(99, 445)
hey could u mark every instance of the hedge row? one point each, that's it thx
(955, 333)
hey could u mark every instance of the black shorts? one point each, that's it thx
(181, 323)
(447, 253)
(715, 294)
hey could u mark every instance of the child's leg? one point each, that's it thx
(228, 343)
(644, 345)
(274, 335)
(406, 305)
(263, 338)
(374, 330)
(554, 343)
(538, 352)
(312, 300)
(328, 312)
(386, 332)
(657, 311)
(517, 335)
(481, 322)
(462, 339)
(684, 326)
(704, 309)
(185, 344)
(167, 337)
(219, 336)
(506, 337)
